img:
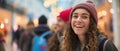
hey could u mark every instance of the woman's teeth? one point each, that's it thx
(78, 26)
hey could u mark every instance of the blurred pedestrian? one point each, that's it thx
(27, 37)
(82, 33)
(43, 27)
(17, 35)
(2, 41)
(56, 38)
(42, 35)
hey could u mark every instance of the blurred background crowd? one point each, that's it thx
(18, 16)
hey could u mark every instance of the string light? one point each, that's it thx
(2, 26)
(110, 1)
(111, 11)
(104, 13)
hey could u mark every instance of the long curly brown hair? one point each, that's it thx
(53, 43)
(71, 40)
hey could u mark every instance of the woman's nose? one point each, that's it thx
(79, 19)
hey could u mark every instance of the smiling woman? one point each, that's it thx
(80, 21)
(82, 33)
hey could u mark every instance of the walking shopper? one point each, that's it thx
(26, 37)
(43, 33)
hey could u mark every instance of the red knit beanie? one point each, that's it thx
(64, 15)
(90, 7)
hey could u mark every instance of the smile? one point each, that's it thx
(79, 26)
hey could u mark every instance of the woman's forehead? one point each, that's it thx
(80, 11)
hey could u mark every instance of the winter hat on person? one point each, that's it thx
(64, 15)
(90, 7)
(42, 20)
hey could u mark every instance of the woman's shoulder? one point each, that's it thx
(109, 46)
(106, 44)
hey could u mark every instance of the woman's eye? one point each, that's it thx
(84, 17)
(74, 16)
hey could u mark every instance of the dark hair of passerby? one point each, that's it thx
(42, 19)
(81, 34)
(56, 38)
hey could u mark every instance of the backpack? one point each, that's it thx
(40, 43)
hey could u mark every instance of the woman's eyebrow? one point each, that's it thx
(82, 13)
(75, 13)
(85, 14)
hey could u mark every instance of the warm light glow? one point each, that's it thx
(19, 19)
(15, 27)
(2, 26)
(99, 14)
(46, 4)
(104, 13)
(35, 22)
(6, 21)
(53, 2)
(110, 1)
(111, 10)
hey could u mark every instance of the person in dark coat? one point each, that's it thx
(27, 37)
(17, 35)
(39, 31)
(42, 27)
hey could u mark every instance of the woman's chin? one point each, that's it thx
(78, 33)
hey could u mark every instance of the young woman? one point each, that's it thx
(82, 34)
(56, 38)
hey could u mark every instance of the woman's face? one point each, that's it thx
(60, 24)
(80, 21)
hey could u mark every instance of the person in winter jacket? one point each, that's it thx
(42, 35)
(42, 27)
